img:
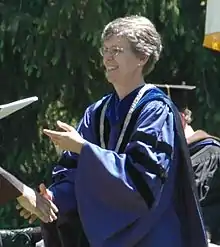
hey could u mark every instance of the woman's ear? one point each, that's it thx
(143, 60)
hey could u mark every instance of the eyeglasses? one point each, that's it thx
(112, 51)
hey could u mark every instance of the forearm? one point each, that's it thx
(10, 186)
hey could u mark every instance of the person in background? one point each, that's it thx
(205, 156)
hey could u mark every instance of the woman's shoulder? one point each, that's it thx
(94, 107)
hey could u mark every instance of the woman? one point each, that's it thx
(129, 151)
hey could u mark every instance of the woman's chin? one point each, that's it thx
(111, 79)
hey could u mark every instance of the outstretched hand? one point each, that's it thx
(69, 139)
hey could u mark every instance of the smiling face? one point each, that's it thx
(121, 63)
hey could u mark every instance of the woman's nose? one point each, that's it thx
(107, 57)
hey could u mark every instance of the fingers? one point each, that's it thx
(53, 207)
(32, 218)
(44, 218)
(44, 215)
(25, 214)
(49, 209)
(53, 137)
(42, 188)
(65, 126)
(45, 206)
(53, 133)
(47, 216)
(18, 207)
(43, 191)
(52, 215)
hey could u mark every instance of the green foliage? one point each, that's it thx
(49, 48)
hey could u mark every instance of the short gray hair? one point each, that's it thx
(141, 34)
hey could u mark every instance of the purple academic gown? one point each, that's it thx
(112, 211)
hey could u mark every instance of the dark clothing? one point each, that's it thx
(8, 189)
(67, 231)
(205, 156)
